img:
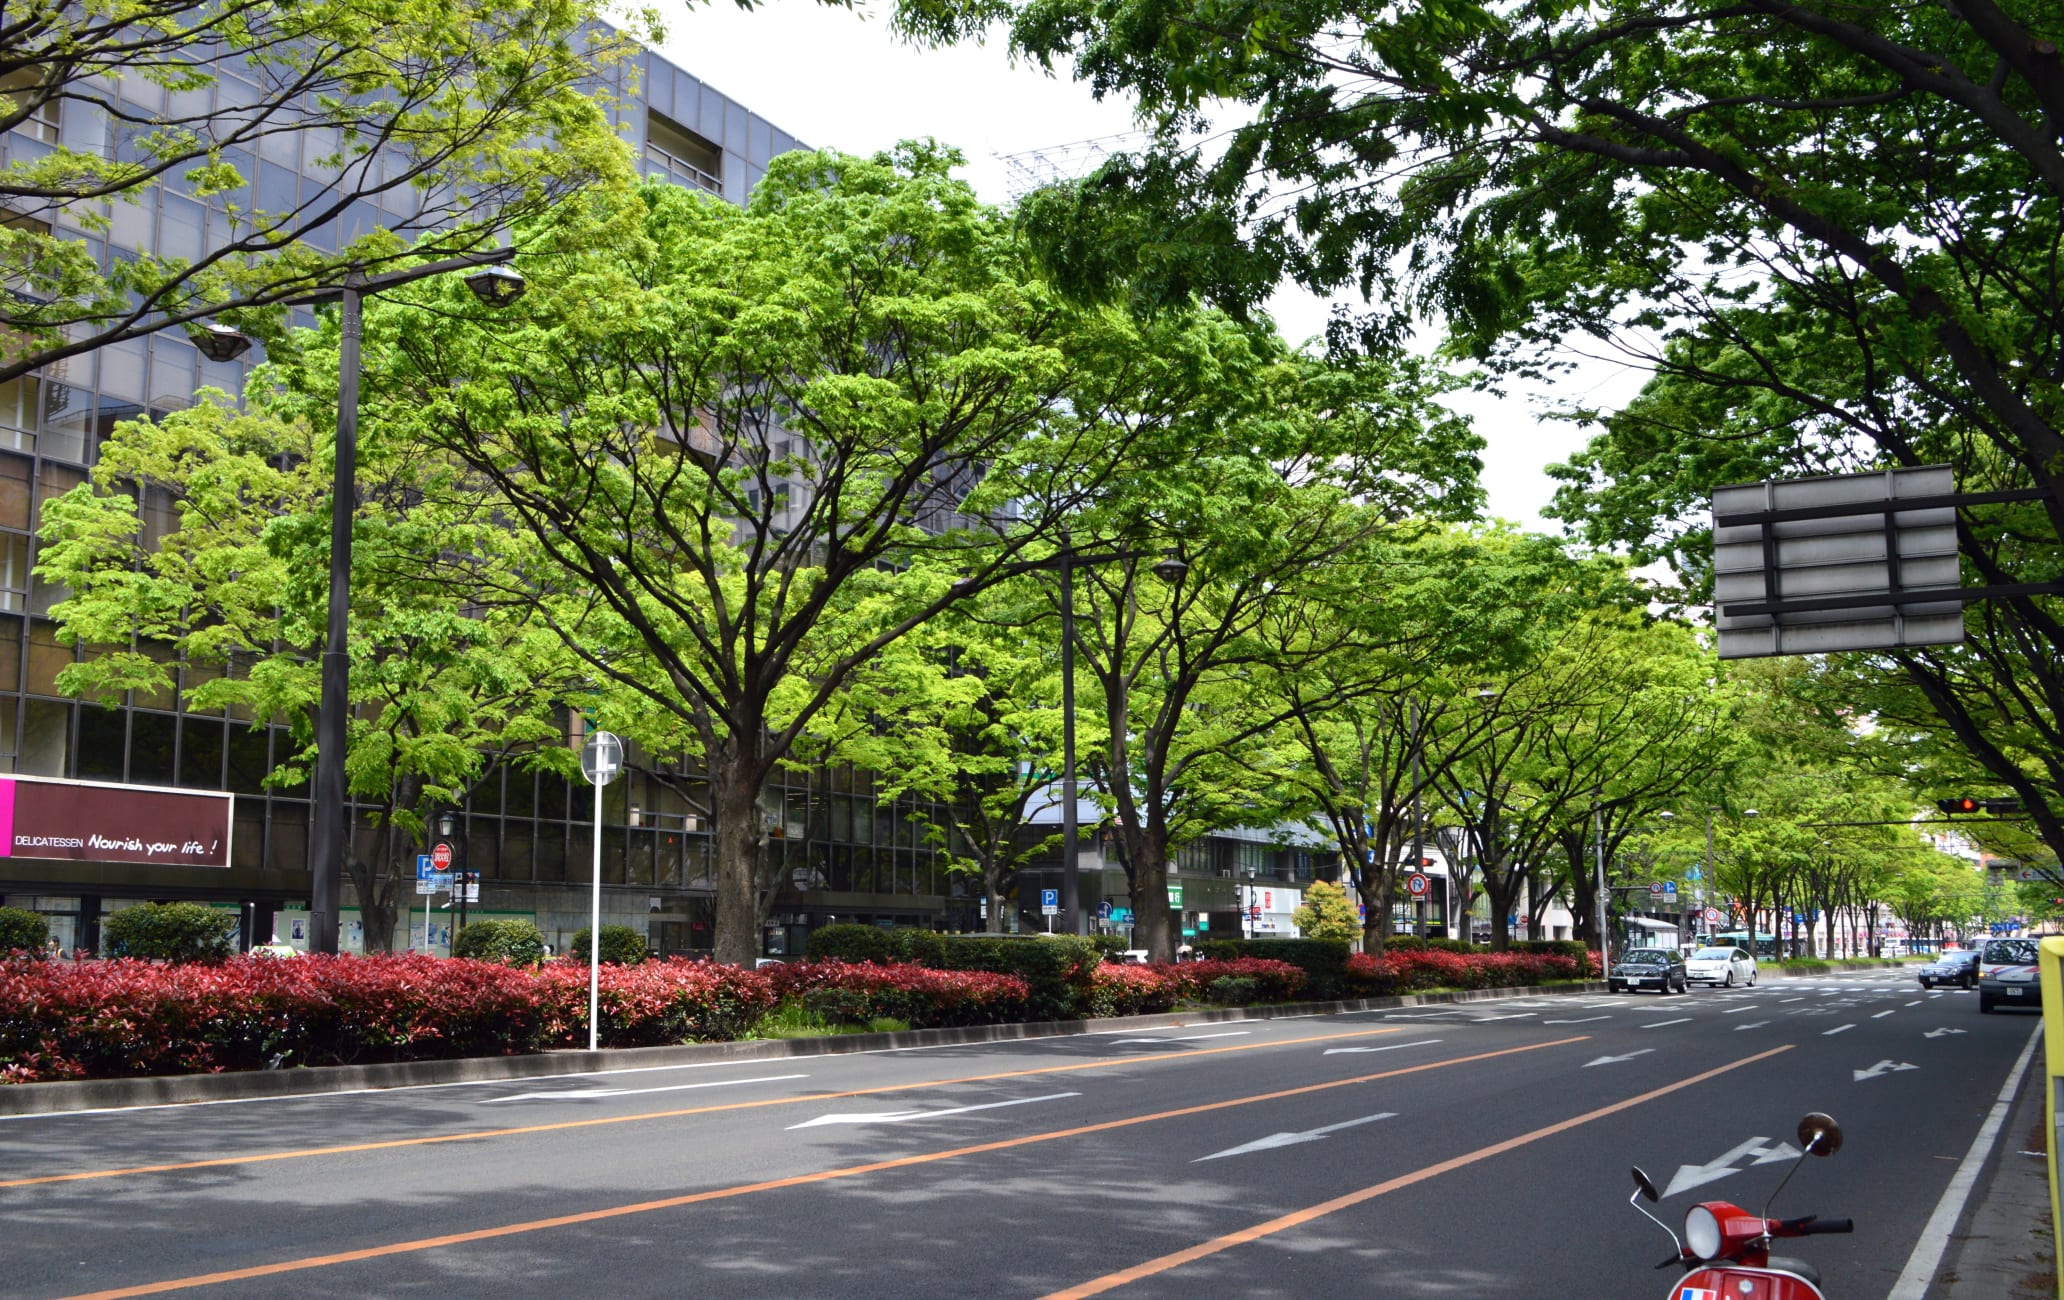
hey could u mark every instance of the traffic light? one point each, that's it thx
(1966, 804)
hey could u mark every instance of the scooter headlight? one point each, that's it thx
(1702, 1232)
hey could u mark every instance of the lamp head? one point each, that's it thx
(446, 824)
(1170, 568)
(496, 286)
(219, 342)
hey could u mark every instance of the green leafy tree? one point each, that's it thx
(754, 449)
(1326, 912)
(430, 127)
(203, 541)
(1830, 231)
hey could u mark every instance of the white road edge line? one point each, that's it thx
(1927, 1252)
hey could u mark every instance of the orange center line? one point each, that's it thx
(1297, 1218)
(562, 1125)
(776, 1184)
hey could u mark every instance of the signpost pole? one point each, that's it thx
(601, 758)
(595, 930)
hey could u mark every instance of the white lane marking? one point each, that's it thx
(1274, 1140)
(1836, 1030)
(1791, 999)
(1916, 1002)
(1581, 1020)
(1927, 1252)
(1658, 1024)
(1753, 1024)
(1484, 1020)
(1387, 1047)
(1884, 1067)
(905, 1116)
(585, 1094)
(1185, 1038)
(1608, 1060)
(1735, 1011)
(1882, 1014)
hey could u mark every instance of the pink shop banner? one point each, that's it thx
(88, 821)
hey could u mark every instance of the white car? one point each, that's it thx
(1725, 966)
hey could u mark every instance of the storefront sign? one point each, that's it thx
(91, 821)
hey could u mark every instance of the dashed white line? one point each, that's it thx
(1837, 1029)
(1658, 1024)
(1882, 1014)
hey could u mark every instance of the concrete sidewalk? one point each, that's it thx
(2002, 1247)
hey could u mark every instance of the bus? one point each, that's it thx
(1764, 948)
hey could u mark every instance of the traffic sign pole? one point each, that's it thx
(601, 758)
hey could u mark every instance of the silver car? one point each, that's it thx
(2007, 975)
(1724, 965)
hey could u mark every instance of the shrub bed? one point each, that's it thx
(854, 993)
(110, 1019)
(1426, 968)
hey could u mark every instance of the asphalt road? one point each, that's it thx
(1480, 1149)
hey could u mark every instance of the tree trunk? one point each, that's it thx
(1502, 888)
(1156, 927)
(734, 803)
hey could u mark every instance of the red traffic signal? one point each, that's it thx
(1964, 804)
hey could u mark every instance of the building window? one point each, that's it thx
(681, 155)
(20, 86)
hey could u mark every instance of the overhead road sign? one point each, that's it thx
(1851, 562)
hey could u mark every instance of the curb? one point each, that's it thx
(170, 1090)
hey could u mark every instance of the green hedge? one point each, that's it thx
(169, 932)
(22, 931)
(621, 945)
(512, 942)
(1323, 961)
(853, 943)
(1055, 967)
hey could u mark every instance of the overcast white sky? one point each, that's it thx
(836, 78)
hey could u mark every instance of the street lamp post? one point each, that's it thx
(494, 286)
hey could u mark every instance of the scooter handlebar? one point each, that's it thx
(1811, 1226)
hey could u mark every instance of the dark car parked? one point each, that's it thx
(1660, 969)
(1952, 970)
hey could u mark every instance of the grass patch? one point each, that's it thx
(794, 1020)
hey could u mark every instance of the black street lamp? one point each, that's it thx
(331, 822)
(462, 876)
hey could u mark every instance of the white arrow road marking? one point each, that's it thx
(585, 1093)
(1937, 1033)
(1658, 1024)
(1836, 1030)
(1387, 1047)
(1275, 1140)
(1753, 1024)
(1608, 1060)
(1186, 1038)
(1883, 1068)
(1585, 1020)
(1690, 1176)
(905, 1116)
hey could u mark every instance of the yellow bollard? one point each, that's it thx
(2051, 967)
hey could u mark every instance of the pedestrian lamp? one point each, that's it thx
(219, 342)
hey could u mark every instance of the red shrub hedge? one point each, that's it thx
(1409, 971)
(107, 1019)
(857, 992)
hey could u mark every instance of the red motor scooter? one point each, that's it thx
(1725, 1250)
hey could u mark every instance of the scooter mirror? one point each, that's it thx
(1646, 1185)
(1820, 1134)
